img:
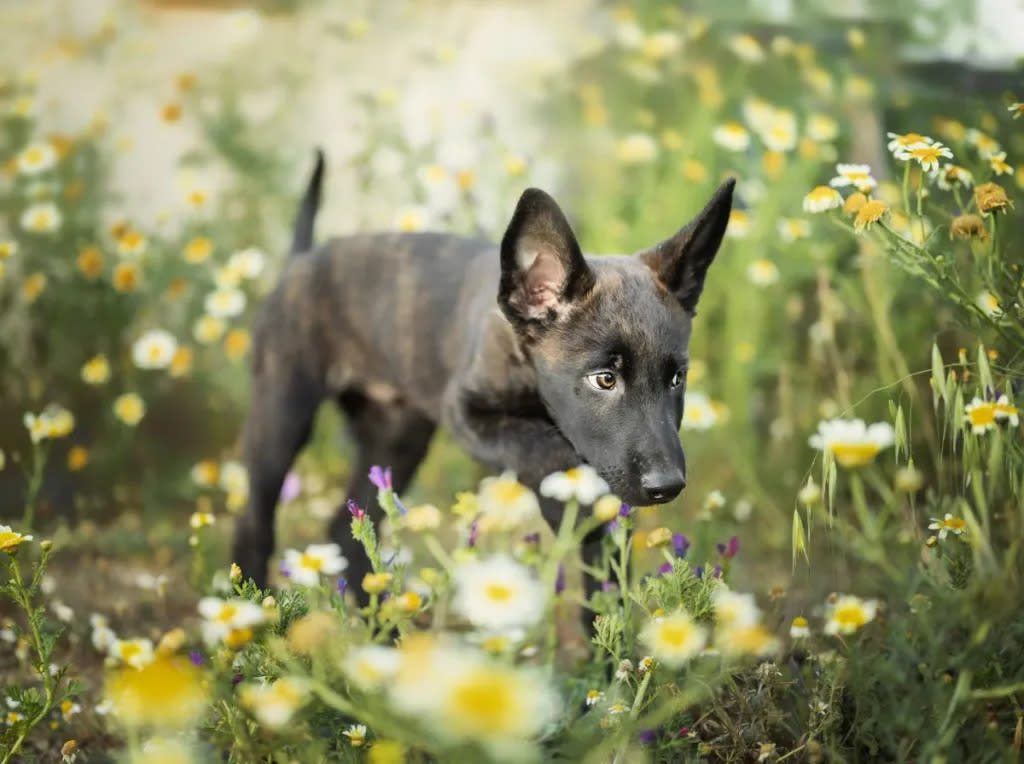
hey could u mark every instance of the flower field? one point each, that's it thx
(841, 580)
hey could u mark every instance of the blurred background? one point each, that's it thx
(172, 139)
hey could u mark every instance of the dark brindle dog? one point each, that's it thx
(535, 357)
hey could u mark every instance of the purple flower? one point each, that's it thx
(683, 732)
(237, 679)
(283, 568)
(401, 507)
(291, 488)
(729, 549)
(531, 538)
(608, 586)
(648, 736)
(717, 572)
(342, 585)
(381, 477)
(624, 510)
(698, 571)
(680, 544)
(611, 527)
(357, 512)
(560, 580)
(666, 567)
(196, 658)
(474, 532)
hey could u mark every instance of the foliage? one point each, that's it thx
(887, 573)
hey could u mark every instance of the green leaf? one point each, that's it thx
(938, 377)
(799, 538)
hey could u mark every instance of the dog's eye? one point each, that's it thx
(678, 378)
(602, 380)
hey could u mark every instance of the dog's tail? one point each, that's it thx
(302, 240)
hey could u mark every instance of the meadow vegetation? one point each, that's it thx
(840, 582)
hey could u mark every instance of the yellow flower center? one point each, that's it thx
(311, 562)
(676, 633)
(9, 540)
(498, 592)
(508, 491)
(574, 474)
(982, 415)
(486, 703)
(34, 155)
(227, 613)
(910, 139)
(800, 622)
(850, 615)
(925, 153)
(130, 650)
(954, 524)
(854, 454)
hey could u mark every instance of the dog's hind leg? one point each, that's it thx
(388, 435)
(278, 426)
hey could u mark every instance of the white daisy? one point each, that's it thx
(580, 483)
(856, 175)
(36, 158)
(221, 617)
(43, 217)
(134, 652)
(698, 413)
(498, 593)
(732, 136)
(851, 442)
(249, 262)
(224, 303)
(733, 609)
(305, 568)
(154, 350)
(505, 503)
(763, 272)
(370, 667)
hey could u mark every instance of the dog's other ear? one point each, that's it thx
(682, 261)
(542, 268)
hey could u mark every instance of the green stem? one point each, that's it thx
(860, 506)
(35, 484)
(906, 185)
(564, 543)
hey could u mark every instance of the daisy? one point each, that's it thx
(870, 213)
(594, 697)
(732, 136)
(370, 667)
(11, 540)
(999, 165)
(498, 593)
(617, 708)
(674, 639)
(733, 609)
(411, 219)
(505, 503)
(8, 248)
(799, 629)
(274, 704)
(208, 329)
(822, 128)
(36, 158)
(131, 243)
(1017, 108)
(746, 47)
(42, 217)
(950, 176)
(791, 229)
(899, 142)
(423, 517)
(661, 45)
(468, 697)
(739, 224)
(752, 639)
(154, 350)
(637, 148)
(822, 198)
(129, 408)
(580, 483)
(126, 277)
(780, 133)
(224, 303)
(205, 473)
(848, 613)
(377, 583)
(989, 303)
(1005, 412)
(698, 412)
(96, 370)
(980, 415)
(222, 617)
(851, 442)
(985, 145)
(948, 524)
(234, 478)
(356, 734)
(198, 250)
(249, 262)
(201, 520)
(926, 154)
(856, 175)
(133, 652)
(305, 568)
(103, 637)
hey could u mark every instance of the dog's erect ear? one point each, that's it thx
(682, 261)
(542, 267)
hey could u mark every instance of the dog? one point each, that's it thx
(533, 356)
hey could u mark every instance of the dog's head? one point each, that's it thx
(609, 337)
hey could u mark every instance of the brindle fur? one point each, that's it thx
(405, 333)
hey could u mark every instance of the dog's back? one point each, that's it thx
(381, 314)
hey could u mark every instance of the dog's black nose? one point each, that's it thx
(660, 487)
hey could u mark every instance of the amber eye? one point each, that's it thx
(678, 378)
(602, 380)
